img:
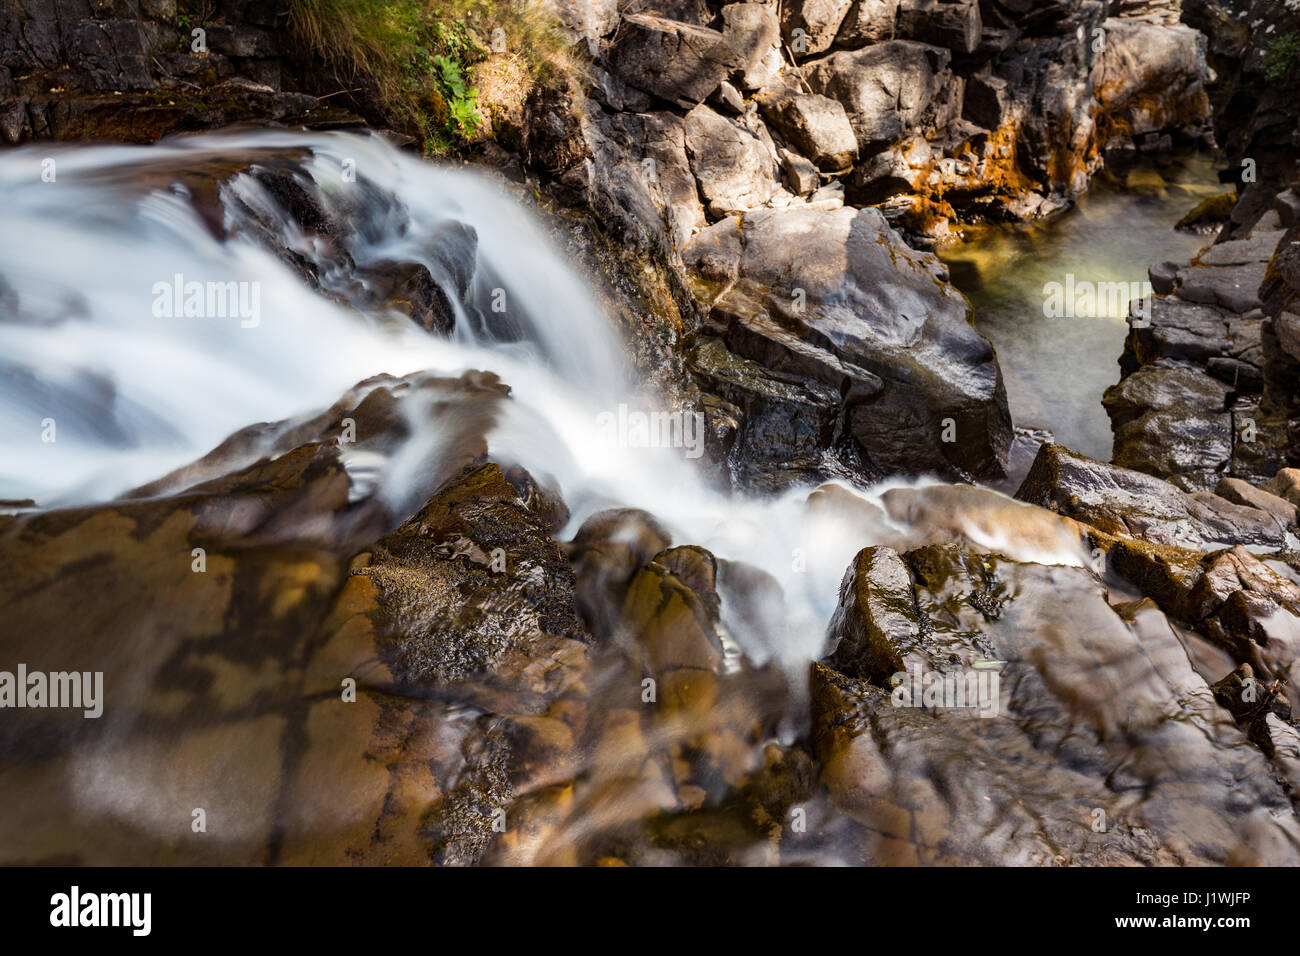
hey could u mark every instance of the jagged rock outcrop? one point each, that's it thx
(1130, 504)
(1189, 406)
(927, 110)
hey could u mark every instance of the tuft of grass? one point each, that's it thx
(421, 58)
(1280, 57)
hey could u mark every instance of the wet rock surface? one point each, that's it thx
(1192, 405)
(933, 782)
(467, 688)
(1131, 504)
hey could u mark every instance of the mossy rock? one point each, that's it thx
(1208, 213)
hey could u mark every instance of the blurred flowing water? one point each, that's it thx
(1056, 368)
(133, 395)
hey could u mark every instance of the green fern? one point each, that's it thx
(462, 100)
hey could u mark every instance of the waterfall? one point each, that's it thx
(91, 259)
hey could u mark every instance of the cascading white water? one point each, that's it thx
(130, 394)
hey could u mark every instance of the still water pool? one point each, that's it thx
(1056, 368)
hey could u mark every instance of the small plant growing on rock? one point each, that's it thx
(462, 100)
(1280, 56)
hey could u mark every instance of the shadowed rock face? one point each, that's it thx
(128, 71)
(676, 61)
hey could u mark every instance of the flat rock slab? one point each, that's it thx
(1129, 504)
(1236, 288)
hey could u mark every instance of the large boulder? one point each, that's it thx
(954, 24)
(815, 125)
(1149, 78)
(735, 168)
(835, 298)
(678, 62)
(1171, 421)
(885, 89)
(869, 21)
(755, 35)
(810, 25)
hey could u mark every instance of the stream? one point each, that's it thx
(1056, 368)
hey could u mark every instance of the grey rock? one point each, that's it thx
(954, 24)
(728, 97)
(885, 89)
(800, 175)
(1171, 420)
(988, 100)
(755, 35)
(815, 125)
(1150, 76)
(1258, 248)
(1163, 275)
(584, 19)
(1287, 206)
(809, 26)
(675, 61)
(736, 170)
(868, 21)
(1236, 288)
(1287, 328)
(1130, 504)
(838, 297)
(1184, 331)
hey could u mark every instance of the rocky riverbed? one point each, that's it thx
(369, 579)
